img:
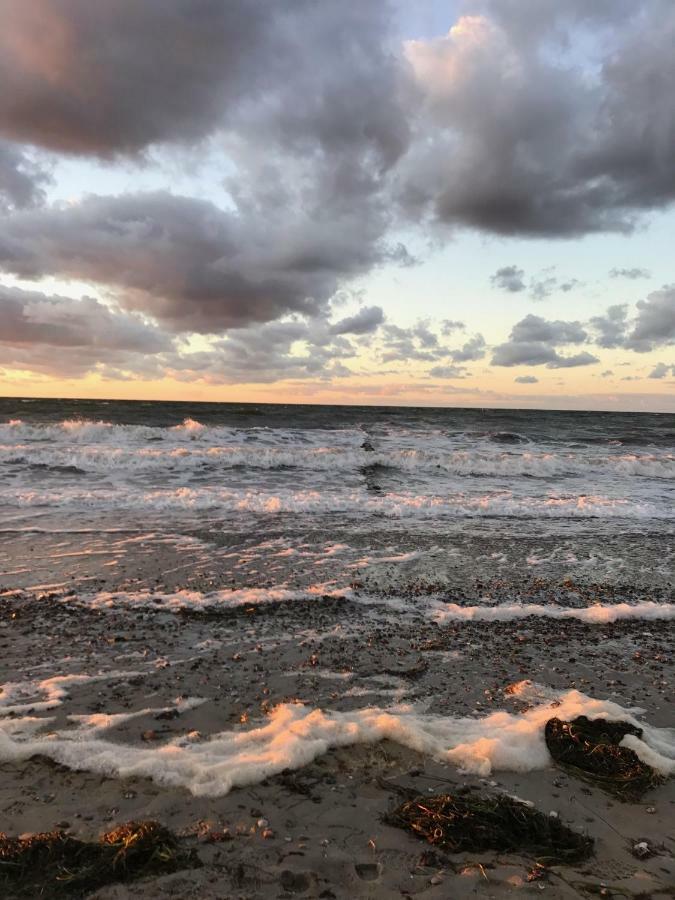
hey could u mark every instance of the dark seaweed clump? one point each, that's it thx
(475, 823)
(590, 749)
(53, 864)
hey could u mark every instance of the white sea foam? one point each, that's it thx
(98, 446)
(195, 600)
(93, 724)
(294, 735)
(597, 614)
(391, 504)
(18, 697)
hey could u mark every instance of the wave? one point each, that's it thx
(393, 505)
(190, 431)
(285, 450)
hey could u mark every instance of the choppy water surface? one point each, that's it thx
(283, 493)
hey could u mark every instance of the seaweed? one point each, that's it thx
(476, 822)
(53, 864)
(590, 749)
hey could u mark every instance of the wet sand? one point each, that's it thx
(317, 831)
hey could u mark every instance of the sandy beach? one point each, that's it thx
(157, 667)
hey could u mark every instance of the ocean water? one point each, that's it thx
(289, 497)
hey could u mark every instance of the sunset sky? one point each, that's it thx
(434, 203)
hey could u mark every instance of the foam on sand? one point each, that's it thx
(195, 600)
(597, 614)
(18, 697)
(293, 735)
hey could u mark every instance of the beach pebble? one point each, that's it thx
(642, 850)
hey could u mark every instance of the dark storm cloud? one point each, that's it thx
(115, 77)
(520, 142)
(631, 274)
(509, 278)
(22, 182)
(306, 98)
(187, 262)
(365, 321)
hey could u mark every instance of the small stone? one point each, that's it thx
(436, 879)
(267, 834)
(651, 810)
(642, 850)
(262, 823)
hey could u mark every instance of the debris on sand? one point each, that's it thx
(590, 748)
(53, 864)
(476, 822)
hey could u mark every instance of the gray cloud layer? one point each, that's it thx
(333, 136)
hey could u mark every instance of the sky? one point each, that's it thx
(457, 203)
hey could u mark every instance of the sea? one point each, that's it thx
(286, 497)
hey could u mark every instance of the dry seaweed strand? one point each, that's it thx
(53, 864)
(476, 822)
(590, 749)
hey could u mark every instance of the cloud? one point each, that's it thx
(526, 379)
(22, 181)
(187, 262)
(535, 328)
(509, 278)
(660, 370)
(533, 341)
(512, 280)
(536, 353)
(655, 322)
(611, 327)
(448, 372)
(523, 137)
(262, 354)
(473, 349)
(450, 325)
(366, 321)
(422, 343)
(104, 79)
(63, 336)
(631, 274)
(652, 326)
